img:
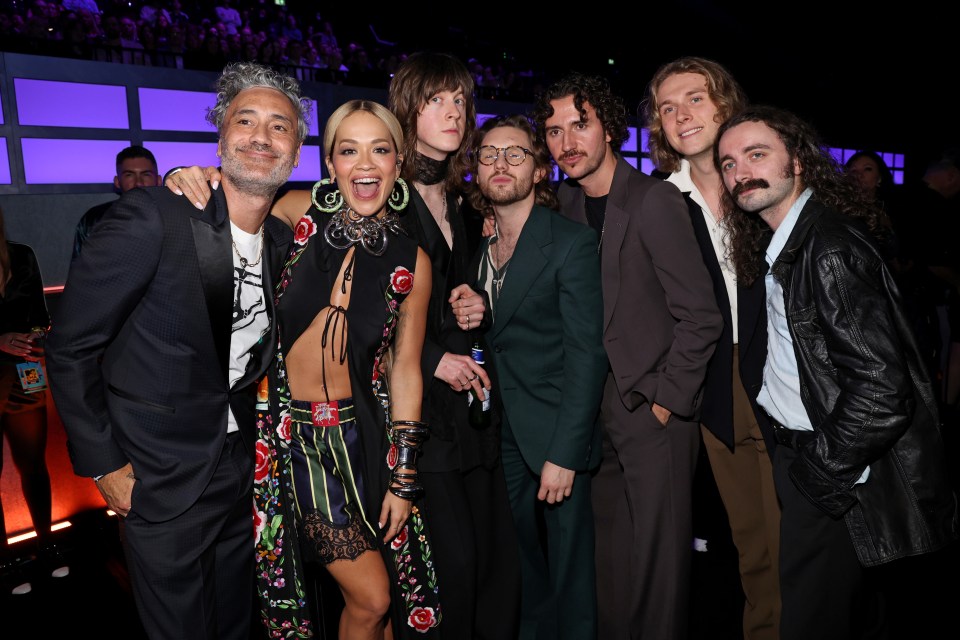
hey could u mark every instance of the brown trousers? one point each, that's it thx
(744, 478)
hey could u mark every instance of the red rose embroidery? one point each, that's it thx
(259, 522)
(421, 619)
(305, 229)
(392, 456)
(263, 462)
(400, 540)
(401, 280)
(283, 431)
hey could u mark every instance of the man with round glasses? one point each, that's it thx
(514, 156)
(542, 274)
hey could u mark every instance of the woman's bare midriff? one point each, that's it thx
(317, 366)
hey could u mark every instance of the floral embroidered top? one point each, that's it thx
(379, 286)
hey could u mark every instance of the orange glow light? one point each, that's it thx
(33, 534)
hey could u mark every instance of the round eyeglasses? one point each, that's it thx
(514, 156)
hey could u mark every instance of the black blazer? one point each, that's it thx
(716, 412)
(138, 354)
(453, 443)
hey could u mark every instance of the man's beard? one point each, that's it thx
(507, 194)
(251, 182)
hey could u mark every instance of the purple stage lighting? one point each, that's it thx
(58, 161)
(45, 103)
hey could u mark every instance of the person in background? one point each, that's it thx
(542, 275)
(23, 412)
(908, 220)
(165, 326)
(136, 167)
(859, 464)
(687, 101)
(661, 324)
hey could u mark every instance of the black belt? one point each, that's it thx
(793, 438)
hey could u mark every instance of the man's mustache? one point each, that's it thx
(759, 183)
(259, 148)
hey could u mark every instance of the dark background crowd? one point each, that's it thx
(207, 34)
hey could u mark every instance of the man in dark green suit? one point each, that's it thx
(542, 273)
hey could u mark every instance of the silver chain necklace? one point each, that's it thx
(243, 261)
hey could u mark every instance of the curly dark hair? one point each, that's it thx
(543, 190)
(722, 88)
(422, 76)
(593, 89)
(832, 186)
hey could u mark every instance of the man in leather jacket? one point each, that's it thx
(859, 465)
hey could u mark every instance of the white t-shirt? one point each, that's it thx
(250, 320)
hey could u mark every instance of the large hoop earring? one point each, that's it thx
(332, 200)
(395, 196)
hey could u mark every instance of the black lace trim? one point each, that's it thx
(325, 542)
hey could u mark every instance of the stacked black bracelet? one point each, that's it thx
(408, 441)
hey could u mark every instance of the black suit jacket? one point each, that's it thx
(716, 412)
(138, 354)
(453, 443)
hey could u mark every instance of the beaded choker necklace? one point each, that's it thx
(429, 171)
(349, 228)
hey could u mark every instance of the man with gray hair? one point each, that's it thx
(164, 328)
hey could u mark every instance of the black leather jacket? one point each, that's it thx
(866, 391)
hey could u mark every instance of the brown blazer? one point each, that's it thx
(660, 317)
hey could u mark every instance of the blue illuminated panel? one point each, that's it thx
(47, 103)
(54, 161)
(204, 154)
(4, 162)
(647, 166)
(630, 145)
(1, 108)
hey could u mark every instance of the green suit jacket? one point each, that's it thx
(546, 342)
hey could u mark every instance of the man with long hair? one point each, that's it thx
(859, 465)
(687, 101)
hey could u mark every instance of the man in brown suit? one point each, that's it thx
(661, 323)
